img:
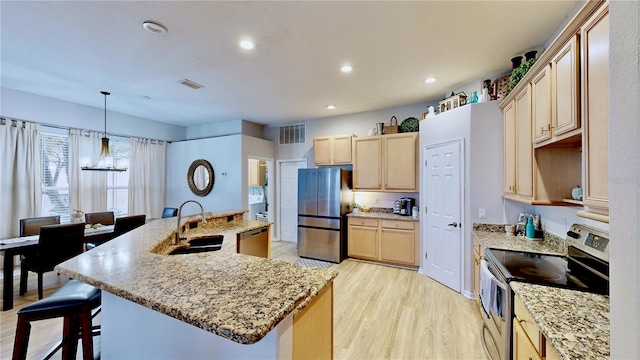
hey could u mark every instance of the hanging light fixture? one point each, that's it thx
(105, 160)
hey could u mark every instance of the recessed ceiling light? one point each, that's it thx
(247, 44)
(331, 106)
(346, 68)
(154, 27)
(430, 80)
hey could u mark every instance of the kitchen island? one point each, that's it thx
(217, 304)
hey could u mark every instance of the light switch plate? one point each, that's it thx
(482, 213)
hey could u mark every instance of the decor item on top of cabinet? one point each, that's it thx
(474, 98)
(518, 73)
(500, 87)
(392, 128)
(453, 101)
(410, 124)
(576, 193)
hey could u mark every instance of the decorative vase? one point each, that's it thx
(576, 193)
(516, 61)
(530, 55)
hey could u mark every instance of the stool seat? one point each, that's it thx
(73, 301)
(72, 294)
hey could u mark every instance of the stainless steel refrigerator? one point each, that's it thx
(324, 198)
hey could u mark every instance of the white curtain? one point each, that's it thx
(87, 189)
(20, 174)
(147, 172)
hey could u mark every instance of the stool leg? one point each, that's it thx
(23, 329)
(70, 337)
(39, 286)
(24, 276)
(86, 331)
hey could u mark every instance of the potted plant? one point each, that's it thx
(355, 207)
(518, 73)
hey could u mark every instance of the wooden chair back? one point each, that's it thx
(127, 223)
(104, 218)
(59, 243)
(31, 226)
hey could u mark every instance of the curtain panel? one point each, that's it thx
(20, 175)
(147, 177)
(87, 189)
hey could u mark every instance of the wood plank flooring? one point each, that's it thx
(380, 312)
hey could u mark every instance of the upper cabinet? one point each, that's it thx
(565, 97)
(332, 150)
(595, 111)
(257, 172)
(386, 163)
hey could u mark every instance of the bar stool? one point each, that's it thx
(73, 301)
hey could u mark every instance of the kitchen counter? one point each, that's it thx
(235, 296)
(494, 237)
(382, 215)
(575, 323)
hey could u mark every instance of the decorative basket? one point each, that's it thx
(392, 128)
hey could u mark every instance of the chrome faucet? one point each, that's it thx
(177, 240)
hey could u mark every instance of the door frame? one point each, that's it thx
(460, 141)
(278, 191)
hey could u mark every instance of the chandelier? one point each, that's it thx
(105, 160)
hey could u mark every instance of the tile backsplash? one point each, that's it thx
(381, 199)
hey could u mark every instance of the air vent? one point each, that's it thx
(191, 84)
(292, 134)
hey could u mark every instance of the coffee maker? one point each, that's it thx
(406, 204)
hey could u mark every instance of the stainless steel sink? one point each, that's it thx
(200, 244)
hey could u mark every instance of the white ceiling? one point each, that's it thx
(72, 50)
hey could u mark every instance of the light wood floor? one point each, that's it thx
(380, 312)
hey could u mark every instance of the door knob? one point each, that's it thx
(454, 224)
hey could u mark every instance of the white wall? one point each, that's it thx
(221, 128)
(24, 106)
(225, 155)
(480, 125)
(624, 178)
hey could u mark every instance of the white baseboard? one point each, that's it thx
(469, 294)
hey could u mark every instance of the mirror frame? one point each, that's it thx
(192, 169)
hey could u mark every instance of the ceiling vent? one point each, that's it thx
(292, 134)
(191, 84)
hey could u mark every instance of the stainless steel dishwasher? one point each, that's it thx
(255, 242)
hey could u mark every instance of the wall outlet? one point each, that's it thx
(482, 213)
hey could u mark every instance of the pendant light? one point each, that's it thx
(105, 160)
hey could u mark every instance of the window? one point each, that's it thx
(118, 182)
(54, 147)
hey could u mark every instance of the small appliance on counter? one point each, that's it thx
(406, 205)
(396, 207)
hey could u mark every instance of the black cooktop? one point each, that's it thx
(577, 271)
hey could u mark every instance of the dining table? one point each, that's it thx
(18, 245)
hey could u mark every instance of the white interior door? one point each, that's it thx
(444, 196)
(288, 205)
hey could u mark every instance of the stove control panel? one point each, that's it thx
(592, 241)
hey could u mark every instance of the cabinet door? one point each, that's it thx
(509, 118)
(564, 68)
(523, 349)
(342, 149)
(363, 242)
(254, 173)
(322, 151)
(541, 105)
(400, 162)
(595, 93)
(367, 164)
(476, 273)
(524, 147)
(398, 242)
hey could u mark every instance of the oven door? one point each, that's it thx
(496, 325)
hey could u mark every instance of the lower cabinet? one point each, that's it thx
(529, 343)
(477, 257)
(388, 241)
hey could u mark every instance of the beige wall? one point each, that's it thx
(624, 178)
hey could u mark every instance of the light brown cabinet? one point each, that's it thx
(388, 241)
(565, 89)
(386, 163)
(518, 158)
(475, 266)
(528, 341)
(541, 104)
(257, 172)
(523, 349)
(332, 150)
(595, 94)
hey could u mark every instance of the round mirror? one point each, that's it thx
(200, 177)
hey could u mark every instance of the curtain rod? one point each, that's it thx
(68, 128)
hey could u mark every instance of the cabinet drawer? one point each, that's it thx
(524, 318)
(363, 222)
(391, 224)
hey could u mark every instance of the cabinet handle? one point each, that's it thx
(549, 127)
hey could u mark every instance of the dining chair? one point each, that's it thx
(127, 223)
(57, 243)
(104, 218)
(31, 226)
(169, 212)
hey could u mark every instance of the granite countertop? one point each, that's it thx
(382, 215)
(576, 323)
(238, 297)
(494, 237)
